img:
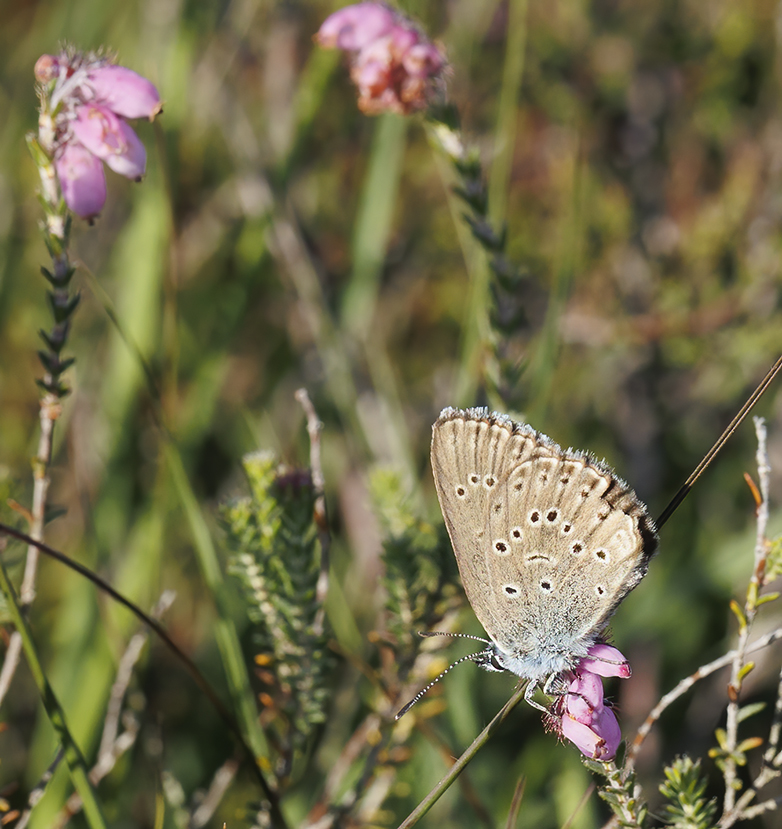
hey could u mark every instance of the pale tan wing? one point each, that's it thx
(579, 541)
(547, 542)
(468, 457)
(471, 453)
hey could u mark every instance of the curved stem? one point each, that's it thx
(458, 767)
(272, 796)
(73, 755)
(50, 411)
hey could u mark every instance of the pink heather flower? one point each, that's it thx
(394, 66)
(605, 660)
(82, 180)
(355, 27)
(584, 697)
(89, 100)
(47, 67)
(125, 92)
(598, 740)
(109, 137)
(580, 714)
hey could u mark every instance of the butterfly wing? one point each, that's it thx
(468, 462)
(547, 542)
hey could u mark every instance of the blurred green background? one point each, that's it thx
(282, 239)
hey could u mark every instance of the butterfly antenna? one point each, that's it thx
(434, 682)
(711, 454)
(428, 634)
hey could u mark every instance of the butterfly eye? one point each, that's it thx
(599, 589)
(516, 533)
(489, 481)
(546, 586)
(551, 516)
(602, 555)
(577, 547)
(475, 479)
(534, 517)
(511, 590)
(566, 528)
(460, 492)
(501, 547)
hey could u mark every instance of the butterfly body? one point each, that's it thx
(548, 541)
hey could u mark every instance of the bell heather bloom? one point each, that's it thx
(605, 660)
(580, 714)
(82, 180)
(88, 102)
(394, 66)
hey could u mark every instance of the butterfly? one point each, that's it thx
(548, 542)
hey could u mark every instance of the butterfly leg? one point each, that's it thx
(555, 685)
(529, 691)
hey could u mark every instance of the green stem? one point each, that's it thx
(621, 792)
(271, 795)
(446, 137)
(73, 755)
(543, 366)
(505, 134)
(225, 632)
(458, 767)
(373, 225)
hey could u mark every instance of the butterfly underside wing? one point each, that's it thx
(548, 542)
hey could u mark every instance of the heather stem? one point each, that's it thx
(494, 278)
(621, 792)
(56, 228)
(320, 516)
(687, 683)
(739, 669)
(50, 410)
(62, 306)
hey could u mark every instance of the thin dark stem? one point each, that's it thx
(712, 453)
(515, 804)
(278, 819)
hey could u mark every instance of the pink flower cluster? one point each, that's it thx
(580, 714)
(90, 100)
(394, 66)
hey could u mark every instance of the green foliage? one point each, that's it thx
(721, 752)
(276, 557)
(774, 559)
(747, 711)
(420, 571)
(684, 788)
(622, 793)
(10, 551)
